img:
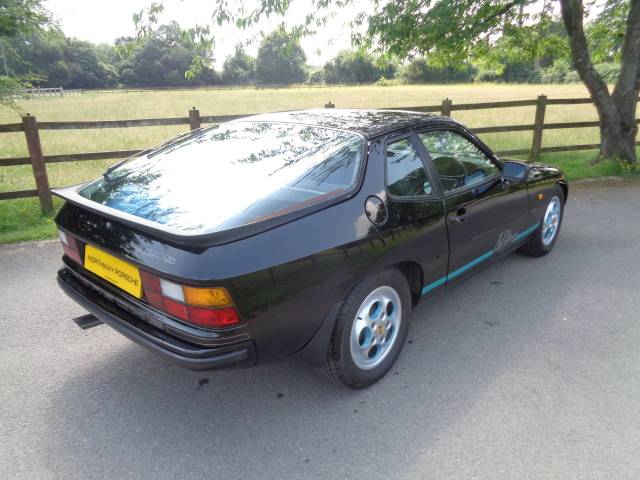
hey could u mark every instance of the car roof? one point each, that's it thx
(367, 122)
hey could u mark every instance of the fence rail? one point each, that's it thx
(50, 92)
(38, 160)
(39, 92)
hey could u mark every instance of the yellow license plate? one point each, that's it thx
(122, 274)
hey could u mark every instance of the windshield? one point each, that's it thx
(232, 175)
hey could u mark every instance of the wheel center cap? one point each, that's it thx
(379, 330)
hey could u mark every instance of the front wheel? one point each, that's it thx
(544, 238)
(370, 330)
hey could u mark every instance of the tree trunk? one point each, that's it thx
(617, 110)
(618, 139)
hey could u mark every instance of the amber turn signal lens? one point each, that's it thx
(540, 196)
(207, 297)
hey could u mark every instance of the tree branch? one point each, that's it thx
(629, 78)
(572, 16)
(505, 9)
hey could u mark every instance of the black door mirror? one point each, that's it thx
(515, 171)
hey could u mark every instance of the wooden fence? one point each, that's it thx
(50, 92)
(38, 160)
(238, 86)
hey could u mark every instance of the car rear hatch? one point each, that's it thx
(135, 273)
(139, 232)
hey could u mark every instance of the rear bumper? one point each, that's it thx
(176, 350)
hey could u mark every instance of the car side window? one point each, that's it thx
(459, 162)
(406, 176)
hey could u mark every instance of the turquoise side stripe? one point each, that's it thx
(485, 256)
(469, 265)
(527, 232)
(431, 286)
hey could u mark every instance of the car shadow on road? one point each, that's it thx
(133, 414)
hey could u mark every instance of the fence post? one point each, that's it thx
(329, 105)
(445, 109)
(194, 118)
(538, 127)
(37, 162)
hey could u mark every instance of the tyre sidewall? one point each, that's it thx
(557, 192)
(354, 375)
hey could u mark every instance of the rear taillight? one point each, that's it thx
(204, 307)
(70, 246)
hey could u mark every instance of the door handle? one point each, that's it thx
(459, 217)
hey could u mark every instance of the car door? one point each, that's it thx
(483, 213)
(416, 209)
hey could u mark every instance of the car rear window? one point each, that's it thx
(232, 175)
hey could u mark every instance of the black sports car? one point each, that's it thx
(307, 234)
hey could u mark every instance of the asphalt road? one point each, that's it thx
(529, 370)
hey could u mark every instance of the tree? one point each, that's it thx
(351, 67)
(523, 50)
(17, 17)
(606, 34)
(453, 31)
(388, 68)
(280, 60)
(162, 58)
(85, 66)
(419, 71)
(239, 68)
(58, 61)
(314, 77)
(617, 108)
(22, 17)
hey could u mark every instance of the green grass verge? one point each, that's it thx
(22, 219)
(578, 165)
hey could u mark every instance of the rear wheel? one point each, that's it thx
(370, 330)
(544, 238)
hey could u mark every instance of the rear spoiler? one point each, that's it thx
(71, 195)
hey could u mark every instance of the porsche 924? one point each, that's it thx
(306, 234)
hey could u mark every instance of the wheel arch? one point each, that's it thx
(414, 275)
(315, 351)
(565, 189)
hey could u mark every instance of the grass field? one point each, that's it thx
(21, 219)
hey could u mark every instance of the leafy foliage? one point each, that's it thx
(459, 40)
(18, 17)
(557, 73)
(281, 59)
(351, 67)
(163, 59)
(606, 33)
(10, 89)
(59, 61)
(239, 68)
(22, 17)
(419, 71)
(315, 77)
(449, 32)
(609, 72)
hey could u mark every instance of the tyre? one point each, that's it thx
(370, 331)
(544, 237)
